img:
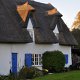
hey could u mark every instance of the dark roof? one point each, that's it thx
(44, 25)
(11, 25)
(65, 36)
(41, 21)
(20, 1)
(13, 29)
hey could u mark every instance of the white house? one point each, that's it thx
(23, 43)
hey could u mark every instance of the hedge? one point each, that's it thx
(54, 61)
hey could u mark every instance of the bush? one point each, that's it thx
(45, 71)
(26, 73)
(38, 72)
(9, 77)
(54, 61)
(29, 73)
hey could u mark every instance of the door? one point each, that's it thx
(28, 60)
(14, 62)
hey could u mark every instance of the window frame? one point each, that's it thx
(36, 59)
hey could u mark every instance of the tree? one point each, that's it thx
(76, 33)
(76, 23)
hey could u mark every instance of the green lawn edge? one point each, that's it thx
(71, 75)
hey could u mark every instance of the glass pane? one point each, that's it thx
(40, 63)
(39, 55)
(36, 63)
(36, 59)
(32, 62)
(36, 55)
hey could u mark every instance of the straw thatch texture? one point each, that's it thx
(11, 25)
(44, 25)
(65, 36)
(44, 18)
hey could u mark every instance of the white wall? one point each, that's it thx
(22, 49)
(5, 58)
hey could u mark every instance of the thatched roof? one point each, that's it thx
(44, 24)
(44, 19)
(65, 36)
(21, 1)
(11, 24)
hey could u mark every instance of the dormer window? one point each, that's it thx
(31, 32)
(57, 35)
(56, 32)
(30, 29)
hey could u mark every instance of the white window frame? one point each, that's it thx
(39, 60)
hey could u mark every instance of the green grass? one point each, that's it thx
(72, 75)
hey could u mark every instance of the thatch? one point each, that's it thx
(19, 2)
(11, 24)
(45, 23)
(43, 33)
(24, 10)
(65, 36)
(44, 20)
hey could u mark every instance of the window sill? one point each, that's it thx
(37, 65)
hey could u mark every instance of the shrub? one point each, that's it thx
(29, 73)
(2, 77)
(9, 77)
(26, 73)
(45, 71)
(53, 61)
(38, 72)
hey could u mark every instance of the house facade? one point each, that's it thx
(23, 43)
(13, 56)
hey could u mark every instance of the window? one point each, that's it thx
(57, 35)
(31, 32)
(56, 32)
(30, 29)
(36, 59)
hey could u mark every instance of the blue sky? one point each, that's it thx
(68, 8)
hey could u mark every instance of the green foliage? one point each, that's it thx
(71, 75)
(9, 77)
(45, 71)
(29, 73)
(53, 61)
(2, 78)
(26, 73)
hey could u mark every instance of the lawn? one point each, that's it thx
(71, 75)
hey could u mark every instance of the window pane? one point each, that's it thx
(40, 60)
(36, 59)
(39, 55)
(36, 63)
(32, 62)
(36, 55)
